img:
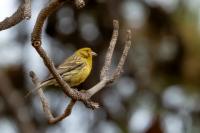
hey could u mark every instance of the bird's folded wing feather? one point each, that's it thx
(69, 67)
(72, 69)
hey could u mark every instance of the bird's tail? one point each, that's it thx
(41, 86)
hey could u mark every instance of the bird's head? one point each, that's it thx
(86, 53)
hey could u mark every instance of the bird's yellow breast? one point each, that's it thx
(81, 76)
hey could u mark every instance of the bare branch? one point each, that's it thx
(67, 112)
(36, 43)
(75, 95)
(43, 99)
(23, 12)
(46, 106)
(97, 87)
(120, 65)
(106, 78)
(108, 58)
(44, 13)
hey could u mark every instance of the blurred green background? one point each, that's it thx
(157, 93)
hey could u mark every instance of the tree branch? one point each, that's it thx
(23, 12)
(45, 104)
(110, 50)
(120, 65)
(105, 77)
(36, 43)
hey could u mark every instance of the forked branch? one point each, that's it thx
(37, 44)
(105, 76)
(45, 105)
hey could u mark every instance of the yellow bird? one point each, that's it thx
(74, 70)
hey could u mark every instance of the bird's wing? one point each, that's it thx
(70, 66)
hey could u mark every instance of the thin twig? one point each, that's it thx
(23, 12)
(45, 104)
(66, 113)
(110, 50)
(43, 99)
(106, 78)
(120, 65)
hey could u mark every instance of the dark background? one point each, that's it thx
(157, 93)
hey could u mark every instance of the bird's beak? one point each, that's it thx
(93, 53)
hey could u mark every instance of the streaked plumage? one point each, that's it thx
(74, 70)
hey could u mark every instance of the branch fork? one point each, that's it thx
(105, 76)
